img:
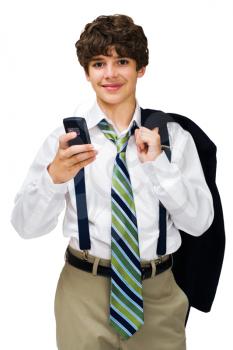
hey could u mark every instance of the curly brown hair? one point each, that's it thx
(118, 31)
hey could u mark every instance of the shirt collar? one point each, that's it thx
(94, 115)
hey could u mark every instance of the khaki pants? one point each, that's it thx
(82, 313)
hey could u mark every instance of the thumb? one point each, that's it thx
(138, 140)
(63, 139)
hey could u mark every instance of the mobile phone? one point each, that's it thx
(79, 125)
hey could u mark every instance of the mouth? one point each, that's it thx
(112, 87)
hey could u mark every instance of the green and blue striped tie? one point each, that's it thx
(126, 301)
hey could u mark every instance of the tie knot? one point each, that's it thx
(121, 142)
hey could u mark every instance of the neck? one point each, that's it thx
(120, 114)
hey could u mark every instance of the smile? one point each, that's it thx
(112, 87)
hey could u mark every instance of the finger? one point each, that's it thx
(82, 157)
(145, 135)
(149, 132)
(145, 130)
(63, 139)
(150, 137)
(76, 149)
(156, 130)
(85, 162)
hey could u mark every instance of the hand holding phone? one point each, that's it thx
(75, 151)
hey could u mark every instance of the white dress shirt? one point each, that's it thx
(180, 185)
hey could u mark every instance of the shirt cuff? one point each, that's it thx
(159, 170)
(49, 187)
(167, 181)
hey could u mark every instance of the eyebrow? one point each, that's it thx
(96, 59)
(99, 58)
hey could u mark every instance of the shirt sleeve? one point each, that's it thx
(180, 185)
(39, 201)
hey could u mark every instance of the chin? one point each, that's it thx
(112, 99)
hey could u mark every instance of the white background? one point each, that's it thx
(190, 73)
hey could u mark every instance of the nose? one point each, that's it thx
(110, 71)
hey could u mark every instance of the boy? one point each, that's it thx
(119, 294)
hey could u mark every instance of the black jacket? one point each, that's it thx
(198, 262)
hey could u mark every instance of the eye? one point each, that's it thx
(97, 64)
(123, 61)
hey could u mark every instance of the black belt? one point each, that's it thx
(107, 271)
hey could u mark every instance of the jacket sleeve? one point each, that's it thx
(39, 201)
(180, 184)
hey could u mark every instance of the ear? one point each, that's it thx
(141, 72)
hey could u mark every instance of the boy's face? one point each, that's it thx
(113, 78)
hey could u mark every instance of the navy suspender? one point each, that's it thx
(81, 204)
(162, 240)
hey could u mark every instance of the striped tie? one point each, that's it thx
(126, 302)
